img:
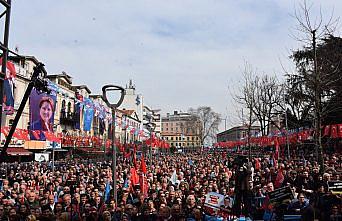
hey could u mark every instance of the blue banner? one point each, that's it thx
(87, 118)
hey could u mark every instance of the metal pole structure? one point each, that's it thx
(287, 130)
(53, 157)
(151, 150)
(113, 106)
(114, 155)
(40, 85)
(4, 52)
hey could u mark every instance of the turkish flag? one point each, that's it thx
(36, 134)
(334, 131)
(143, 185)
(257, 164)
(143, 165)
(339, 130)
(134, 177)
(277, 146)
(279, 179)
(10, 69)
(23, 134)
(326, 130)
(51, 137)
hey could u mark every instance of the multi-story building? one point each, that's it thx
(236, 133)
(68, 97)
(65, 103)
(152, 116)
(144, 113)
(181, 130)
(130, 125)
(24, 68)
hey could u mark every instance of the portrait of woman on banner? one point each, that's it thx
(8, 99)
(46, 111)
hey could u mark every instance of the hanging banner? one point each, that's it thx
(42, 111)
(340, 130)
(88, 115)
(8, 99)
(77, 125)
(102, 125)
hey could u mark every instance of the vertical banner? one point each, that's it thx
(8, 99)
(42, 111)
(88, 115)
(77, 125)
(110, 130)
(102, 126)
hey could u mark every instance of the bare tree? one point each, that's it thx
(262, 96)
(311, 85)
(206, 122)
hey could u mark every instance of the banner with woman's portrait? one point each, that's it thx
(8, 88)
(42, 111)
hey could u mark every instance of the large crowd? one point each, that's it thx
(174, 187)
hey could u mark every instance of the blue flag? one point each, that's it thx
(107, 191)
(88, 118)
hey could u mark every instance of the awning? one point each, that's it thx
(18, 152)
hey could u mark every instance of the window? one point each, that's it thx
(176, 138)
(69, 108)
(10, 122)
(171, 138)
(192, 138)
(188, 138)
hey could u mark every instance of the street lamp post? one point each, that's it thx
(113, 106)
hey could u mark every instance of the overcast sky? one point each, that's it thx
(179, 54)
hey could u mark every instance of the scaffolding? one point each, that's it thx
(4, 19)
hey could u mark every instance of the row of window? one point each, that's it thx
(184, 138)
(184, 144)
(177, 129)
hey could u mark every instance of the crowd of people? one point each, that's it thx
(174, 187)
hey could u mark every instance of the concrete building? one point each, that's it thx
(24, 68)
(65, 103)
(181, 130)
(236, 133)
(144, 113)
(152, 116)
(131, 112)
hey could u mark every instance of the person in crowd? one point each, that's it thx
(177, 188)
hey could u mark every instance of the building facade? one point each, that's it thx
(236, 133)
(181, 130)
(68, 96)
